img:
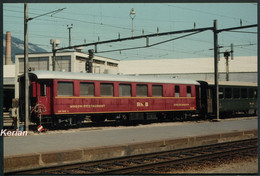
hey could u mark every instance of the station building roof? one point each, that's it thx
(187, 65)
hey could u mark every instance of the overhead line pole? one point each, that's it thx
(26, 65)
(216, 54)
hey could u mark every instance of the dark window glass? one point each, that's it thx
(87, 89)
(221, 93)
(125, 90)
(236, 93)
(251, 93)
(106, 89)
(141, 90)
(65, 89)
(43, 89)
(188, 91)
(228, 93)
(157, 90)
(177, 91)
(244, 93)
(31, 89)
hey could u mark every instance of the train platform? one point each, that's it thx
(75, 146)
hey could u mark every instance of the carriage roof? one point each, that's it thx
(233, 83)
(108, 77)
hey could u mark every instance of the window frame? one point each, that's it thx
(71, 91)
(43, 89)
(221, 93)
(140, 94)
(228, 92)
(177, 90)
(252, 92)
(122, 94)
(87, 83)
(111, 91)
(153, 91)
(244, 93)
(235, 91)
(188, 91)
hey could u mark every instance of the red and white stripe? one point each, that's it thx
(40, 128)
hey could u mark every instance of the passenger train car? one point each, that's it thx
(235, 97)
(67, 98)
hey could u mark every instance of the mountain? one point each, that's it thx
(17, 47)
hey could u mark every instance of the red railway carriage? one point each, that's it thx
(66, 97)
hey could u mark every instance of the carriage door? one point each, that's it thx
(209, 100)
(45, 96)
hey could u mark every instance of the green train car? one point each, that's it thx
(234, 98)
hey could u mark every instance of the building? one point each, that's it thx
(242, 68)
(8, 85)
(68, 61)
(8, 74)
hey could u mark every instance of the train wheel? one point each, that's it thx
(183, 117)
(204, 116)
(124, 117)
(78, 123)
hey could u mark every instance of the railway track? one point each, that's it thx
(147, 163)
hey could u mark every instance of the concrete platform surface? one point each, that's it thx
(97, 138)
(44, 150)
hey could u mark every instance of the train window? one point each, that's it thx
(177, 91)
(43, 89)
(188, 91)
(221, 93)
(87, 89)
(251, 93)
(228, 93)
(65, 89)
(244, 93)
(141, 90)
(106, 89)
(157, 90)
(125, 90)
(236, 93)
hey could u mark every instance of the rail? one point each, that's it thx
(142, 164)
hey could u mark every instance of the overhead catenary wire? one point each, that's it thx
(206, 12)
(158, 43)
(102, 22)
(244, 32)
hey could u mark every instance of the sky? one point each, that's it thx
(106, 21)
